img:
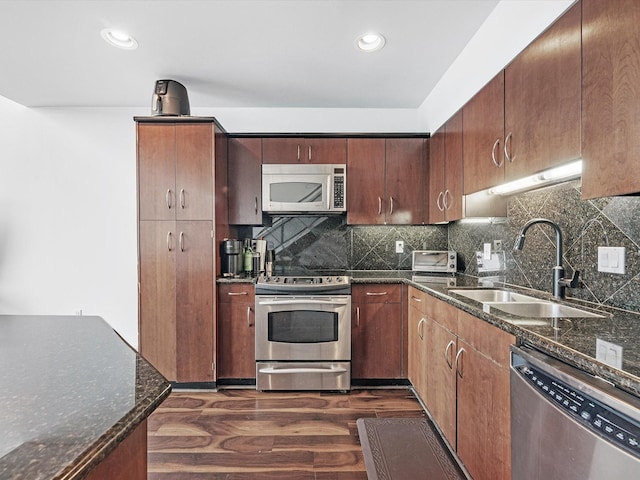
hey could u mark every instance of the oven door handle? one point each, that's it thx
(282, 371)
(301, 301)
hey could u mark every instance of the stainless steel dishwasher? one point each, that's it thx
(568, 425)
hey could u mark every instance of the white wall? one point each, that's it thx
(67, 178)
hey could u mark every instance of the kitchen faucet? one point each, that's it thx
(559, 283)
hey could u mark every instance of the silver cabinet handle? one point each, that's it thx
(493, 154)
(446, 354)
(459, 368)
(376, 294)
(169, 242)
(235, 294)
(309, 152)
(168, 197)
(391, 205)
(249, 317)
(181, 241)
(413, 297)
(420, 330)
(357, 316)
(438, 202)
(444, 199)
(255, 205)
(379, 206)
(298, 157)
(506, 148)
(182, 198)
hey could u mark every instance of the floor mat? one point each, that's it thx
(405, 448)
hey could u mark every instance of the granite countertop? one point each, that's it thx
(71, 390)
(572, 340)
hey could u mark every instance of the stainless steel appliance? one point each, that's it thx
(304, 188)
(434, 261)
(303, 333)
(566, 424)
(169, 98)
(231, 255)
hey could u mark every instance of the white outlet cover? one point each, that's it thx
(609, 353)
(399, 246)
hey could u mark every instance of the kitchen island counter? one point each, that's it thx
(71, 392)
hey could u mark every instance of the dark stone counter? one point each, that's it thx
(71, 391)
(572, 340)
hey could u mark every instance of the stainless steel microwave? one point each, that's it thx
(304, 188)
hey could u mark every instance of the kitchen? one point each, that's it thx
(465, 238)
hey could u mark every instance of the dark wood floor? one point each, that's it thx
(244, 434)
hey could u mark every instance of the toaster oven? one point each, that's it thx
(434, 261)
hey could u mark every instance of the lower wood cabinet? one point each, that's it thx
(466, 364)
(376, 331)
(417, 326)
(128, 460)
(236, 331)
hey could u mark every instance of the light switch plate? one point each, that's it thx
(399, 246)
(609, 353)
(611, 259)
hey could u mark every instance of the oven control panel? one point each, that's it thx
(286, 284)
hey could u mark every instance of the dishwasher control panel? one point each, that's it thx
(589, 412)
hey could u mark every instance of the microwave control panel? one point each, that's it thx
(338, 191)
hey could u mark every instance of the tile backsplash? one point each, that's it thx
(327, 243)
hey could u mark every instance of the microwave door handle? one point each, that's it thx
(327, 203)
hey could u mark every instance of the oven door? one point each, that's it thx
(303, 328)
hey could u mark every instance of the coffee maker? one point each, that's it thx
(231, 255)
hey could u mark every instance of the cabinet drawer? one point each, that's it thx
(236, 293)
(441, 312)
(486, 338)
(377, 293)
(417, 299)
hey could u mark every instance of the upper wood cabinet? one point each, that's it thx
(245, 181)
(385, 179)
(175, 176)
(304, 150)
(611, 97)
(445, 201)
(527, 118)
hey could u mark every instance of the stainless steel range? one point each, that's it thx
(303, 333)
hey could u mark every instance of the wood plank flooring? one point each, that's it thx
(244, 434)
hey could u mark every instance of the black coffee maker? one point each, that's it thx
(231, 255)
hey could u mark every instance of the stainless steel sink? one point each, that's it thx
(541, 309)
(484, 295)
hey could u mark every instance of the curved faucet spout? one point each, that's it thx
(519, 244)
(559, 282)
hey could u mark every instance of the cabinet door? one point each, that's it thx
(365, 181)
(453, 181)
(157, 322)
(483, 413)
(194, 302)
(417, 342)
(194, 175)
(156, 172)
(441, 378)
(404, 174)
(483, 137)
(325, 150)
(610, 98)
(245, 181)
(236, 332)
(436, 176)
(376, 333)
(542, 100)
(282, 150)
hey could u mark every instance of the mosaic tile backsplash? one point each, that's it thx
(326, 243)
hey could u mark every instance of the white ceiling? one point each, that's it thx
(232, 53)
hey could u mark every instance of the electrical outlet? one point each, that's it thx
(611, 259)
(399, 246)
(609, 353)
(497, 246)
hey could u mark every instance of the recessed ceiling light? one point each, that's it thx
(119, 39)
(370, 42)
